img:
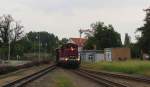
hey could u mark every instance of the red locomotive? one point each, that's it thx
(67, 55)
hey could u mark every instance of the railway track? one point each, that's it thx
(122, 76)
(114, 80)
(99, 79)
(21, 82)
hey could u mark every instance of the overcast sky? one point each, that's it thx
(65, 17)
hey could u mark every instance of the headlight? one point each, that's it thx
(66, 59)
(78, 59)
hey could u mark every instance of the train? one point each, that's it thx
(68, 55)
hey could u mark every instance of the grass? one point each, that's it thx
(129, 67)
(63, 81)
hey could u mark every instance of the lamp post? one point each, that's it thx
(34, 46)
(45, 50)
(8, 46)
(39, 47)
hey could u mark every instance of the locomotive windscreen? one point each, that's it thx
(69, 50)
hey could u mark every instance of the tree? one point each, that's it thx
(135, 50)
(127, 40)
(104, 37)
(89, 45)
(144, 40)
(25, 44)
(10, 31)
(17, 32)
(5, 28)
(48, 42)
(63, 41)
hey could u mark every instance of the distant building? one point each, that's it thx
(112, 54)
(108, 54)
(79, 41)
(92, 55)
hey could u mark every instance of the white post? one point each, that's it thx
(8, 46)
(34, 47)
(39, 47)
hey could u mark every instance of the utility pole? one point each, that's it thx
(34, 47)
(8, 46)
(39, 46)
(45, 50)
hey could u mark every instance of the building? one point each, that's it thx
(92, 55)
(108, 54)
(113, 54)
(79, 41)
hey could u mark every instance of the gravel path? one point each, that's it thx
(53, 79)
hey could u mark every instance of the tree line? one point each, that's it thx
(106, 37)
(12, 35)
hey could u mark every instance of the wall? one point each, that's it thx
(91, 56)
(121, 53)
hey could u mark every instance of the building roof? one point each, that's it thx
(78, 41)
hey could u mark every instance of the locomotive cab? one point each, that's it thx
(67, 55)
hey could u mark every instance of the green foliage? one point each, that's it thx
(5, 23)
(48, 42)
(63, 41)
(61, 78)
(144, 40)
(18, 50)
(3, 52)
(90, 43)
(130, 67)
(104, 37)
(127, 41)
(20, 47)
(10, 31)
(63, 81)
(135, 50)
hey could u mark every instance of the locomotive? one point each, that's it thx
(67, 55)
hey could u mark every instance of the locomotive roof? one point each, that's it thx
(68, 45)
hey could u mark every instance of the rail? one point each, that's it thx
(21, 82)
(99, 79)
(118, 75)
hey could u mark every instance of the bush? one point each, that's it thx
(130, 67)
(8, 69)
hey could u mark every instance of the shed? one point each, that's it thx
(91, 55)
(121, 54)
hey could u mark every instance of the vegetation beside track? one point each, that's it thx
(7, 69)
(61, 79)
(129, 67)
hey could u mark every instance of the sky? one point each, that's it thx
(64, 18)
